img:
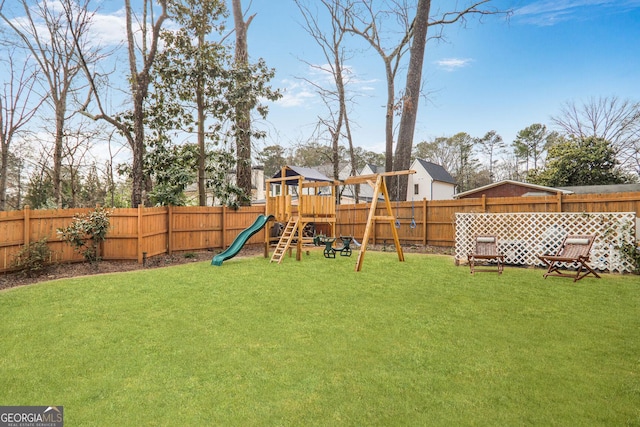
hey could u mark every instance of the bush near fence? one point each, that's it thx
(143, 231)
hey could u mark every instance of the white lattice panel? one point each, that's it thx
(521, 236)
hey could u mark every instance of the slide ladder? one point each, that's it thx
(285, 240)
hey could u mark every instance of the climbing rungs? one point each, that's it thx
(285, 240)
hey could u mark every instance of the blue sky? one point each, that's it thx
(500, 74)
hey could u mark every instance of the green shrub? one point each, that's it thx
(32, 258)
(86, 232)
(632, 253)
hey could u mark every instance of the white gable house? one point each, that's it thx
(431, 182)
(365, 191)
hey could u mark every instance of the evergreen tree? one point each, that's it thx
(575, 161)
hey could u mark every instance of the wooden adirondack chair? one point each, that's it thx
(486, 251)
(574, 250)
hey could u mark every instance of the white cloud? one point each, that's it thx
(551, 12)
(296, 94)
(452, 64)
(303, 91)
(109, 29)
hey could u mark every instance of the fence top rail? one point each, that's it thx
(543, 213)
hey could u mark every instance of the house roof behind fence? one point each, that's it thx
(602, 189)
(531, 189)
(437, 172)
(374, 168)
(308, 174)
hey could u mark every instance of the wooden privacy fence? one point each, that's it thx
(165, 230)
(434, 221)
(133, 233)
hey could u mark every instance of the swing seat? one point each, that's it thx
(329, 251)
(345, 250)
(319, 239)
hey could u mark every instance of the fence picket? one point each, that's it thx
(164, 230)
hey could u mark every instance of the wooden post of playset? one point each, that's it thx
(301, 210)
(379, 187)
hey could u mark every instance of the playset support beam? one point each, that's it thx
(380, 187)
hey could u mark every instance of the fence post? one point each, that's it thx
(170, 229)
(484, 203)
(559, 201)
(223, 221)
(100, 249)
(425, 207)
(140, 235)
(27, 225)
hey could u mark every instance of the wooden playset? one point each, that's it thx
(296, 197)
(299, 196)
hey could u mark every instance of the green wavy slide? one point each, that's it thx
(240, 240)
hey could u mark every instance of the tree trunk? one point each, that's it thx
(352, 157)
(412, 94)
(243, 112)
(137, 148)
(388, 128)
(139, 90)
(4, 167)
(139, 184)
(341, 116)
(57, 153)
(202, 195)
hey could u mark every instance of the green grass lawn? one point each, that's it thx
(314, 343)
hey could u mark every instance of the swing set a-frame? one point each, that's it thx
(378, 182)
(312, 206)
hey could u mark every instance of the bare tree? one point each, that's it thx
(334, 95)
(410, 100)
(109, 169)
(439, 151)
(139, 81)
(411, 97)
(45, 32)
(143, 36)
(490, 145)
(412, 23)
(609, 118)
(39, 194)
(455, 154)
(17, 108)
(508, 168)
(367, 22)
(77, 156)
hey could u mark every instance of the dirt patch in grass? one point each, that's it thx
(63, 271)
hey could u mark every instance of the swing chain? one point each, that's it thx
(397, 223)
(412, 224)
